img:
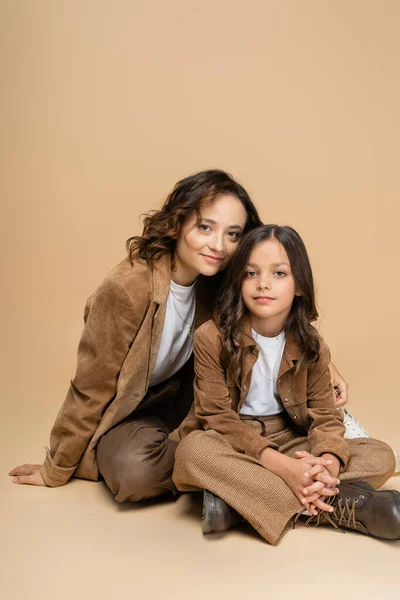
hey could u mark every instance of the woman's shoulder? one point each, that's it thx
(130, 280)
(129, 275)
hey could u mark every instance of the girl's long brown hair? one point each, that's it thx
(161, 227)
(231, 309)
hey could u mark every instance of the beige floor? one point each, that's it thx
(76, 542)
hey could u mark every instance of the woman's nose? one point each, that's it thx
(217, 243)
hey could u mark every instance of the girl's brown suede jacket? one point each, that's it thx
(307, 396)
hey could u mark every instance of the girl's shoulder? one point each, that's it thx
(208, 334)
(324, 355)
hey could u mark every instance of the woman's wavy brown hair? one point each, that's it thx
(161, 227)
(230, 308)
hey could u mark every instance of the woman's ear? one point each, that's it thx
(298, 292)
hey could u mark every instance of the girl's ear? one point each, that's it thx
(298, 292)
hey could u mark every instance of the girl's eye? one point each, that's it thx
(204, 227)
(234, 235)
(251, 274)
(280, 273)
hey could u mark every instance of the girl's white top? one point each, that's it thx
(176, 340)
(263, 398)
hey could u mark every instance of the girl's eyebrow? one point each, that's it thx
(272, 265)
(278, 264)
(215, 223)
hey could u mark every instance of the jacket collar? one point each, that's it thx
(291, 352)
(161, 278)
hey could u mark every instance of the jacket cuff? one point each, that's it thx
(53, 475)
(340, 449)
(259, 444)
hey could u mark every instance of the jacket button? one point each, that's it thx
(245, 387)
(295, 417)
(286, 400)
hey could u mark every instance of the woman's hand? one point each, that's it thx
(28, 474)
(340, 386)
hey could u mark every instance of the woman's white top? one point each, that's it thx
(177, 337)
(263, 398)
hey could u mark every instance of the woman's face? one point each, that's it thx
(205, 248)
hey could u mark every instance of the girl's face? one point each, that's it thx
(205, 248)
(268, 288)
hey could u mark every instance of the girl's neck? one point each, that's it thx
(270, 327)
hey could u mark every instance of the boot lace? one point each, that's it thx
(342, 515)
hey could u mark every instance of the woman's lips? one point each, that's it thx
(213, 260)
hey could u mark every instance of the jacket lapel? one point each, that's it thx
(161, 286)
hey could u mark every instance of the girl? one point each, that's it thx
(273, 444)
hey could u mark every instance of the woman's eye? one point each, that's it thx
(204, 227)
(251, 273)
(280, 273)
(234, 236)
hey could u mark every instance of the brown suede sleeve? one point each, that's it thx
(111, 324)
(212, 403)
(327, 428)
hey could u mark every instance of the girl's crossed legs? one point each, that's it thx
(204, 460)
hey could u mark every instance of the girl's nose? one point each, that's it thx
(263, 284)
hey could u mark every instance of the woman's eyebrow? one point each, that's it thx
(215, 223)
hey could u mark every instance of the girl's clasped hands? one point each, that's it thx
(314, 478)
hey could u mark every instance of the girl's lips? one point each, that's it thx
(212, 259)
(264, 299)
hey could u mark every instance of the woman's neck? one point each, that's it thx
(182, 275)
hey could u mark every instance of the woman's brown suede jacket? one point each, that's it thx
(117, 352)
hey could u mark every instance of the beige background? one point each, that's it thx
(104, 105)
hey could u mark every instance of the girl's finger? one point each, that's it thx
(314, 471)
(313, 460)
(317, 460)
(326, 478)
(312, 498)
(307, 506)
(323, 506)
(329, 491)
(315, 487)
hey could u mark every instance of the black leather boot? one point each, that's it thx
(217, 515)
(358, 506)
